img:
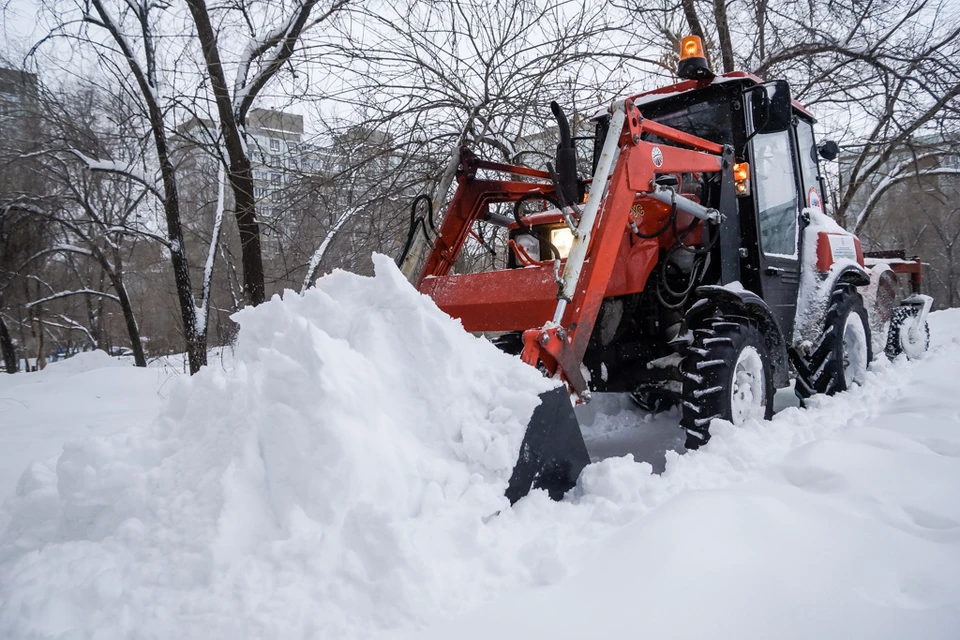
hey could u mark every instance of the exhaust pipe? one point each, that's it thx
(566, 157)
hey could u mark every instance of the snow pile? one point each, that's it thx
(83, 362)
(360, 437)
(88, 394)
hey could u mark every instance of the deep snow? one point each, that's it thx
(343, 477)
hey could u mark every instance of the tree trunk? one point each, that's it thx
(241, 173)
(6, 346)
(23, 331)
(133, 330)
(690, 13)
(147, 82)
(251, 255)
(36, 332)
(92, 320)
(723, 34)
(196, 345)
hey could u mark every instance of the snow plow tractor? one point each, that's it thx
(693, 267)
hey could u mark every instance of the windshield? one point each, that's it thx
(708, 119)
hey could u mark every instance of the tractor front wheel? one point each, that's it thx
(843, 352)
(726, 375)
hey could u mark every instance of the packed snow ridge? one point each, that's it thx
(290, 492)
(344, 478)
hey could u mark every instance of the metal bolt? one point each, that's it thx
(743, 252)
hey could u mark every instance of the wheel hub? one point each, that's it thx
(747, 397)
(854, 349)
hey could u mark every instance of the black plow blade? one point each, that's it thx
(553, 452)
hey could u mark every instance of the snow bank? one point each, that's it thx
(360, 437)
(83, 362)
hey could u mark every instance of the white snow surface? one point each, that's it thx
(311, 491)
(344, 479)
(837, 521)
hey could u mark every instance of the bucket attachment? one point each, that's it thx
(553, 452)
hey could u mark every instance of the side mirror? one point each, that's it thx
(772, 111)
(829, 150)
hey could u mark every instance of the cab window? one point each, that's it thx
(776, 185)
(808, 165)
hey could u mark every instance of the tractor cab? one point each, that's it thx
(777, 174)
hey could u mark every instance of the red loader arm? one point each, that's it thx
(609, 256)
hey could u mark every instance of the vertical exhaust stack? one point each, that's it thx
(566, 158)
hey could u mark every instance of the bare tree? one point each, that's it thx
(99, 214)
(268, 49)
(882, 75)
(432, 76)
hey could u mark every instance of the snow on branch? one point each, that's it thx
(20, 205)
(899, 174)
(322, 249)
(77, 292)
(74, 326)
(127, 171)
(202, 310)
(273, 50)
(59, 248)
(121, 230)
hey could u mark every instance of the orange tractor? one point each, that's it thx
(694, 267)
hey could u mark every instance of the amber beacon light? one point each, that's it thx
(693, 63)
(741, 177)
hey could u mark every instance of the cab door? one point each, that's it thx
(774, 176)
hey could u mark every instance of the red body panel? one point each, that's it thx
(825, 257)
(509, 300)
(518, 299)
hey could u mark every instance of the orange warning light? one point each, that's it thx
(741, 171)
(741, 178)
(691, 47)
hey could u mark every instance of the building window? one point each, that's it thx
(275, 179)
(274, 144)
(292, 147)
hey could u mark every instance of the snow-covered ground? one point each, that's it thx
(342, 477)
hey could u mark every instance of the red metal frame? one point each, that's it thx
(618, 261)
(900, 264)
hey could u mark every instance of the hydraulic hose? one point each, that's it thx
(418, 221)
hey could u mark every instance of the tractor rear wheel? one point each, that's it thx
(900, 339)
(843, 352)
(726, 375)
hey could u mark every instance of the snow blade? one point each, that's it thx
(553, 452)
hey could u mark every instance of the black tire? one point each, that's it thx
(825, 370)
(897, 340)
(709, 375)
